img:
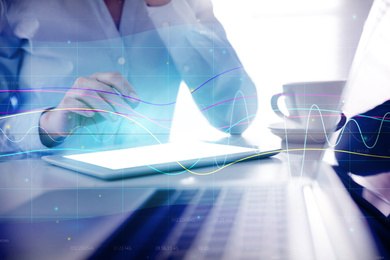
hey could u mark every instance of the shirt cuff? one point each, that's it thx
(29, 125)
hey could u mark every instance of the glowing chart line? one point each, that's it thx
(265, 153)
(55, 91)
(140, 115)
(142, 101)
(221, 168)
(97, 110)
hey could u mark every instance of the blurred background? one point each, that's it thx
(278, 42)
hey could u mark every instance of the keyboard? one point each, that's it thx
(239, 223)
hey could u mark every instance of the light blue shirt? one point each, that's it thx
(46, 45)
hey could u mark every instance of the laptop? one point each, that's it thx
(305, 218)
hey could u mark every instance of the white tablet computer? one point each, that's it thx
(169, 158)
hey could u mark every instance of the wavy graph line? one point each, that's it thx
(315, 107)
(214, 171)
(216, 76)
(228, 100)
(185, 169)
(139, 100)
(97, 128)
(335, 111)
(287, 150)
(387, 119)
(57, 109)
(57, 141)
(46, 150)
(229, 126)
(67, 136)
(313, 95)
(86, 128)
(288, 154)
(140, 115)
(95, 110)
(104, 111)
(259, 154)
(111, 101)
(246, 118)
(344, 127)
(24, 111)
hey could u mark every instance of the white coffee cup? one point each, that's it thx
(313, 105)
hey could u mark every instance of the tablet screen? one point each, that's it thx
(156, 154)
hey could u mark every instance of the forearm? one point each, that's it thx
(208, 64)
(20, 133)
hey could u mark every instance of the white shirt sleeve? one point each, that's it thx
(201, 52)
(19, 133)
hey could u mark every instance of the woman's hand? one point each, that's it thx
(88, 93)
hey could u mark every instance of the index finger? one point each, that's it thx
(120, 85)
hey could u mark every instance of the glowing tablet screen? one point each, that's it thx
(156, 154)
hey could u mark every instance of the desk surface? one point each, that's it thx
(23, 180)
(46, 210)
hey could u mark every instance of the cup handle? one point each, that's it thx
(342, 122)
(274, 105)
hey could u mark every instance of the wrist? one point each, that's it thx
(49, 137)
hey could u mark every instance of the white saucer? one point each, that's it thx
(295, 132)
